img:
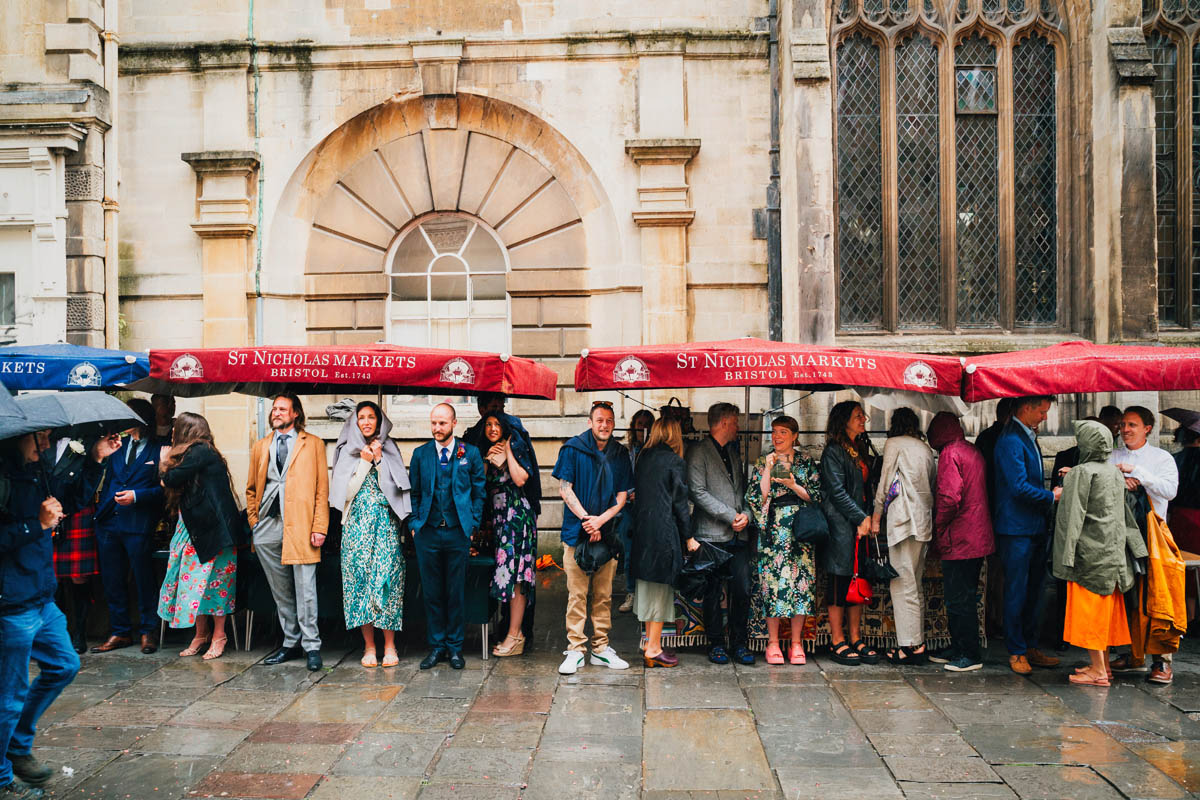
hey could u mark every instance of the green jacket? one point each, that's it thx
(1096, 536)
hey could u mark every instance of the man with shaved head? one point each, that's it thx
(447, 498)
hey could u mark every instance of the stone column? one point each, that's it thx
(663, 215)
(226, 182)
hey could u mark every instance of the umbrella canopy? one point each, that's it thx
(264, 371)
(69, 367)
(74, 414)
(1081, 367)
(9, 410)
(1185, 417)
(757, 362)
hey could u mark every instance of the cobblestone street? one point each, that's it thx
(134, 726)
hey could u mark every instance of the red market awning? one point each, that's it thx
(1081, 367)
(392, 369)
(757, 362)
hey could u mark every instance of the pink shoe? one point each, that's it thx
(796, 656)
(774, 654)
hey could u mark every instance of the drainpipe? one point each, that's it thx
(258, 231)
(110, 206)
(774, 242)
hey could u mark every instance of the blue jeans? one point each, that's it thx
(119, 553)
(40, 633)
(1024, 559)
(442, 555)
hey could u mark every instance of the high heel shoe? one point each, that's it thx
(515, 646)
(195, 647)
(796, 655)
(774, 655)
(216, 649)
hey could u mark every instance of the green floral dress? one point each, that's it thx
(785, 570)
(372, 561)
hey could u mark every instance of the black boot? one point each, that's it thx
(81, 604)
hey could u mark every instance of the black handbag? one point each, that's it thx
(809, 526)
(701, 566)
(591, 556)
(877, 567)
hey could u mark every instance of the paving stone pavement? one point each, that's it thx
(135, 726)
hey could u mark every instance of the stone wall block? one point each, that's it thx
(84, 183)
(371, 284)
(85, 67)
(534, 342)
(89, 11)
(525, 311)
(85, 312)
(329, 314)
(85, 274)
(369, 313)
(565, 311)
(72, 37)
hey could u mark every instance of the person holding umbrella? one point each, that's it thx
(1184, 519)
(31, 625)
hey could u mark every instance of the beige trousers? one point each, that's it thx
(908, 559)
(578, 584)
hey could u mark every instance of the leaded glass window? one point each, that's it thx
(937, 227)
(1173, 36)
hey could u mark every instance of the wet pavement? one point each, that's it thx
(134, 726)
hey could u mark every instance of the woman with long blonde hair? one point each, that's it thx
(662, 532)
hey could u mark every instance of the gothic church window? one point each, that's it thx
(948, 117)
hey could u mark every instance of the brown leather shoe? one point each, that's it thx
(1036, 659)
(1019, 665)
(1160, 672)
(149, 644)
(113, 643)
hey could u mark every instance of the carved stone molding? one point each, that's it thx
(662, 189)
(226, 182)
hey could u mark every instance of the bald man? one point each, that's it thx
(447, 480)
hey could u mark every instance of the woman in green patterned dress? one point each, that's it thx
(370, 486)
(782, 481)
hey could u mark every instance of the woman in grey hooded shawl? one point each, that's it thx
(370, 487)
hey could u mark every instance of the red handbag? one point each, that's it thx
(860, 592)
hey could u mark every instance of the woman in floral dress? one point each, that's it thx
(782, 481)
(513, 529)
(202, 566)
(370, 487)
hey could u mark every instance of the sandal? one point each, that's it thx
(843, 654)
(1087, 679)
(511, 646)
(869, 655)
(216, 648)
(390, 659)
(907, 654)
(369, 659)
(796, 655)
(195, 647)
(774, 655)
(1088, 671)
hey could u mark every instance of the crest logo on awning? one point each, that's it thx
(84, 375)
(457, 371)
(186, 368)
(921, 375)
(631, 369)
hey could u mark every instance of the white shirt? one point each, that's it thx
(449, 448)
(1155, 468)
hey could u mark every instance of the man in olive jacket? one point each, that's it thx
(287, 506)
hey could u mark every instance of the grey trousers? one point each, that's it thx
(294, 587)
(908, 559)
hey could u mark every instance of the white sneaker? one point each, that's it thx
(572, 662)
(608, 658)
(627, 605)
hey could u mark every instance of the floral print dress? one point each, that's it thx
(786, 570)
(372, 561)
(514, 531)
(192, 588)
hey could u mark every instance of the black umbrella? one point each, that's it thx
(74, 414)
(1186, 418)
(9, 410)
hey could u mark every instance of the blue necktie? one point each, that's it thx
(445, 459)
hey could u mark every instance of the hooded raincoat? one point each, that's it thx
(962, 523)
(1095, 535)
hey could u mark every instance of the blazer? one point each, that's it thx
(845, 504)
(911, 512)
(467, 484)
(305, 499)
(1022, 503)
(207, 505)
(142, 478)
(716, 499)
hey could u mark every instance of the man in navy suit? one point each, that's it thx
(447, 480)
(1021, 520)
(131, 502)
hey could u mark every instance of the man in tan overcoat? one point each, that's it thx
(287, 504)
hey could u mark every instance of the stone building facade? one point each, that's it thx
(540, 176)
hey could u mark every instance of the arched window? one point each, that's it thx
(948, 119)
(1173, 35)
(448, 276)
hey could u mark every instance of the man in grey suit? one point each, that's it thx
(717, 485)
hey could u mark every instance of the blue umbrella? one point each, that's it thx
(69, 366)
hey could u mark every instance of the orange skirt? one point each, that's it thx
(1093, 621)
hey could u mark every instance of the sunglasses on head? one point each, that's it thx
(602, 404)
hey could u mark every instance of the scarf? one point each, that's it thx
(393, 476)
